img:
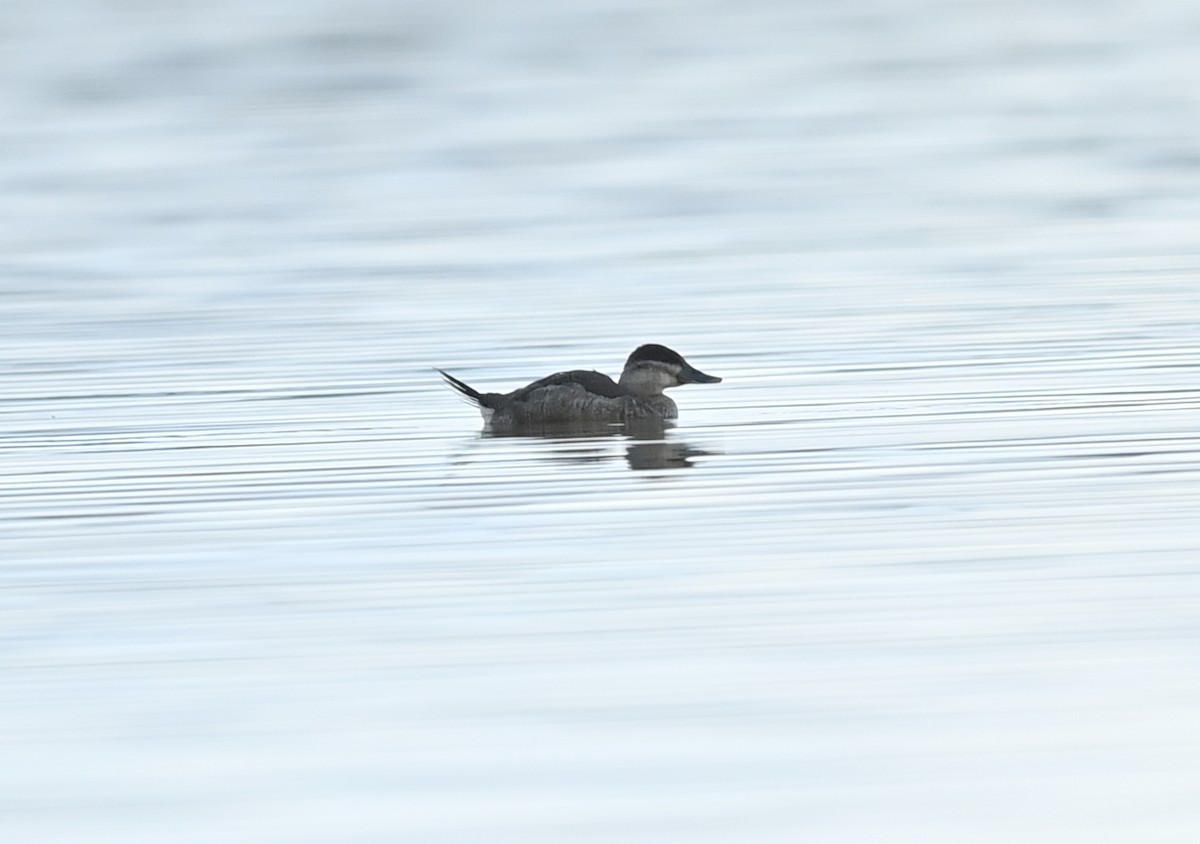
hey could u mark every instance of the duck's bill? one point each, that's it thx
(691, 375)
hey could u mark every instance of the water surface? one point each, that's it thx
(925, 567)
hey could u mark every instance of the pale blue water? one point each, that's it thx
(925, 567)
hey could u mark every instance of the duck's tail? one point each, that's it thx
(463, 388)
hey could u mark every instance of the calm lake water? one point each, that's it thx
(924, 568)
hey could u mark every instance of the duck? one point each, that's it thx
(581, 398)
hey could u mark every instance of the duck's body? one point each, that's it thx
(583, 398)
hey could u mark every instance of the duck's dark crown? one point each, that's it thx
(655, 352)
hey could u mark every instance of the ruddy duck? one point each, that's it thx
(582, 398)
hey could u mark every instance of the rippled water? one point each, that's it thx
(925, 567)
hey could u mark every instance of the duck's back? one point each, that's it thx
(589, 381)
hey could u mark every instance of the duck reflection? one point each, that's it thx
(662, 455)
(649, 449)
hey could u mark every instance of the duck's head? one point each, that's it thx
(653, 368)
